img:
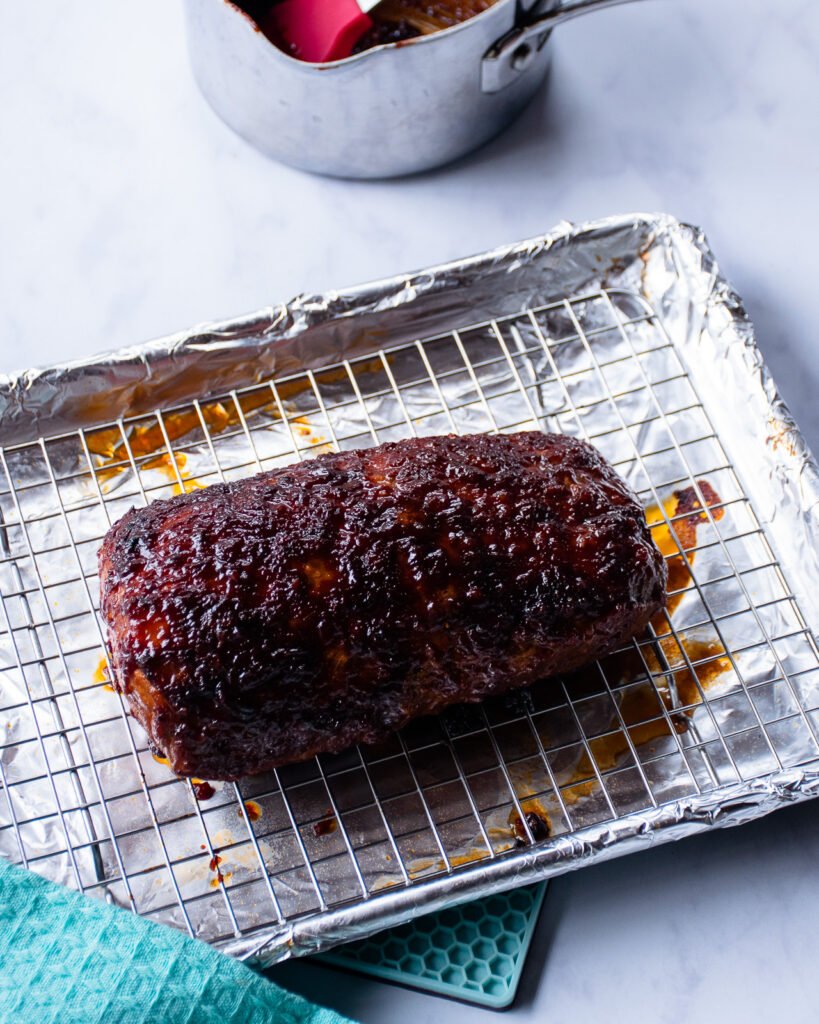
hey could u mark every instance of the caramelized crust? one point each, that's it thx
(306, 609)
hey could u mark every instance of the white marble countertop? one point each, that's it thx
(128, 211)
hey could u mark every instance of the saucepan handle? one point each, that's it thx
(511, 55)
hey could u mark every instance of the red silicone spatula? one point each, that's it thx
(320, 30)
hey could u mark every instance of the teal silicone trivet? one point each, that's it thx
(474, 952)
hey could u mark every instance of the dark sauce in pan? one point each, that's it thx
(386, 32)
(394, 21)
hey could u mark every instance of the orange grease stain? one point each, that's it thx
(101, 675)
(252, 810)
(684, 503)
(540, 825)
(146, 439)
(456, 860)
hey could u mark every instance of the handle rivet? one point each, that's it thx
(522, 57)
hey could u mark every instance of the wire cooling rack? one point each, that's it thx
(722, 689)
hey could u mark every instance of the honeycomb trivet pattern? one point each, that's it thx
(474, 952)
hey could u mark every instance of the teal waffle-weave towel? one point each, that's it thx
(71, 959)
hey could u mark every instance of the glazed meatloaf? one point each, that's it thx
(320, 605)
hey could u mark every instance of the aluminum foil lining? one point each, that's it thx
(621, 330)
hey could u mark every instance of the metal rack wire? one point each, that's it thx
(722, 689)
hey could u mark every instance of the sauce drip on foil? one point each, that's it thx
(685, 504)
(252, 810)
(203, 790)
(536, 818)
(326, 825)
(102, 675)
(221, 876)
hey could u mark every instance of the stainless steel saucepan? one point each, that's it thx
(397, 109)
